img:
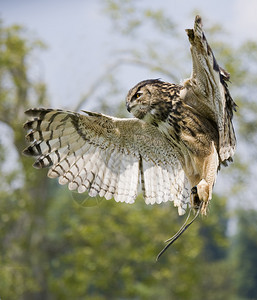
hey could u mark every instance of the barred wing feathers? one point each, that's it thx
(106, 156)
(210, 94)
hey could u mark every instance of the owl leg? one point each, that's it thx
(200, 194)
(202, 191)
(203, 194)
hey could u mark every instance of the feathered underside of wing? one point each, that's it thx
(106, 156)
(208, 91)
(164, 183)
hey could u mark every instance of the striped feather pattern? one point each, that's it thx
(106, 156)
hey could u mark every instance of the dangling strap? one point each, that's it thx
(180, 231)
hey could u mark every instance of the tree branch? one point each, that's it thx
(119, 63)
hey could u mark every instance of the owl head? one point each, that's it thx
(149, 100)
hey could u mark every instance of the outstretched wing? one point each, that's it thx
(107, 156)
(207, 90)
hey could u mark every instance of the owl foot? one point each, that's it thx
(200, 196)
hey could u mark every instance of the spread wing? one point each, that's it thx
(207, 90)
(106, 156)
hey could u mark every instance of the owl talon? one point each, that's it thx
(200, 196)
(195, 201)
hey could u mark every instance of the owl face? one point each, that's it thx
(152, 100)
(141, 99)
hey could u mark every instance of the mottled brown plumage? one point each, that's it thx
(180, 136)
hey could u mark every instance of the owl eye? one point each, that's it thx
(138, 95)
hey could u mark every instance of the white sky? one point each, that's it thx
(80, 38)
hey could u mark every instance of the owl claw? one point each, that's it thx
(200, 196)
(195, 201)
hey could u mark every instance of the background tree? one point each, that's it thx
(244, 252)
(23, 193)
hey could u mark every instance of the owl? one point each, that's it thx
(173, 147)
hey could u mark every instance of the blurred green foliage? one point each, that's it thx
(56, 245)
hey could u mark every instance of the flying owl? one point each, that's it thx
(173, 148)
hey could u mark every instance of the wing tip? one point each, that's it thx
(34, 111)
(198, 20)
(32, 150)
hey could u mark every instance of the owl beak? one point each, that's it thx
(128, 107)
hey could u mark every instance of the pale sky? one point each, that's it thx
(80, 37)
